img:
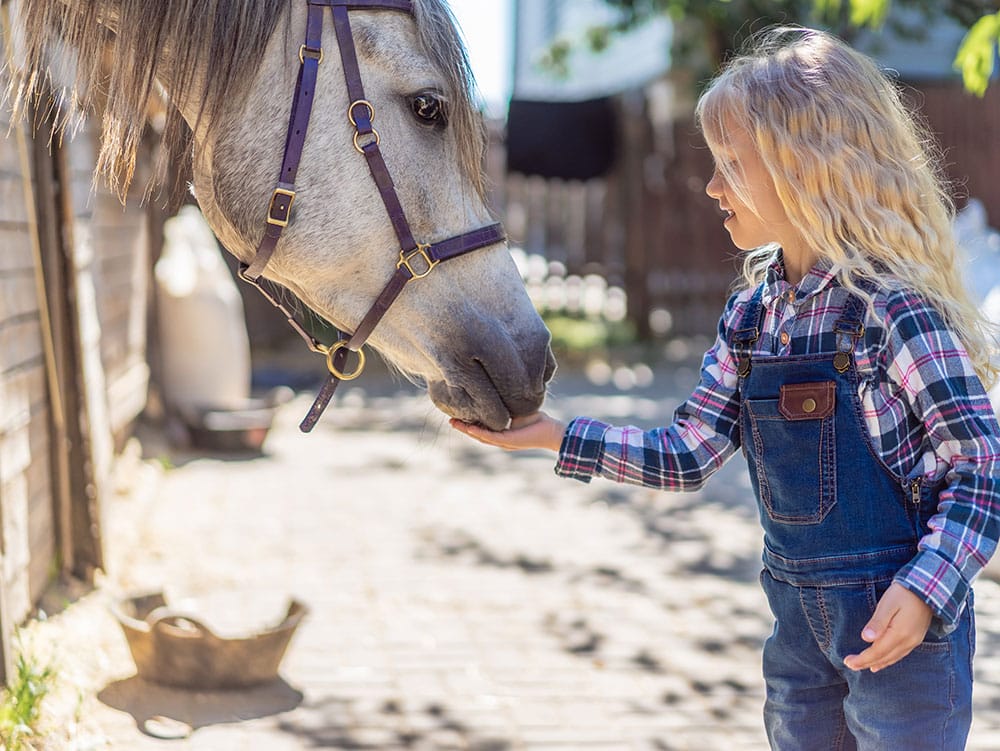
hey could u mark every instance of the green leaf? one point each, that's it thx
(976, 56)
(869, 12)
(826, 8)
(598, 38)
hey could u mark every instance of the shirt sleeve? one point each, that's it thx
(703, 435)
(930, 367)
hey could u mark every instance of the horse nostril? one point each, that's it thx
(550, 366)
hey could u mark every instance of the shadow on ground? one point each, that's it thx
(386, 725)
(156, 707)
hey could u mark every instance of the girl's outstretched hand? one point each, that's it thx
(537, 431)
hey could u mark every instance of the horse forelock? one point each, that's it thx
(179, 40)
(226, 37)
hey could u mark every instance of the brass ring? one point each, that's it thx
(358, 146)
(355, 103)
(342, 344)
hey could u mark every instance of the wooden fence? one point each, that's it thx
(649, 228)
(968, 130)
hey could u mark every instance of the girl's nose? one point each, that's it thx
(714, 186)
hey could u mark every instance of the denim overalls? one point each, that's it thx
(838, 524)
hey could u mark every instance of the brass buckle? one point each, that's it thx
(290, 195)
(332, 350)
(422, 252)
(305, 52)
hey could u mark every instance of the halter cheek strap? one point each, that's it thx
(416, 260)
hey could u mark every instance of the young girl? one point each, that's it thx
(849, 371)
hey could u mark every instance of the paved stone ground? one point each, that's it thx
(460, 597)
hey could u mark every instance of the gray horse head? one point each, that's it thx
(467, 330)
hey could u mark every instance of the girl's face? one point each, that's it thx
(762, 218)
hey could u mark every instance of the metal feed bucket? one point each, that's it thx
(175, 649)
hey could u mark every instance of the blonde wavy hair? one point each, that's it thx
(857, 173)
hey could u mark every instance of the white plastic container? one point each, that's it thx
(203, 335)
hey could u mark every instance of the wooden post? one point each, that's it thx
(59, 359)
(89, 434)
(6, 636)
(634, 145)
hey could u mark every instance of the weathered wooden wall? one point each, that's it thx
(26, 504)
(74, 275)
(112, 246)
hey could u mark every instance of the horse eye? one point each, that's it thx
(429, 108)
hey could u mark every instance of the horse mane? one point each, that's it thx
(118, 50)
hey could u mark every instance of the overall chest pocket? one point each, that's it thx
(792, 451)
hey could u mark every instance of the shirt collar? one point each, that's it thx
(819, 277)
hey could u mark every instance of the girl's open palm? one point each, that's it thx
(537, 431)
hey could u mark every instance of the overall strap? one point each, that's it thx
(849, 328)
(747, 332)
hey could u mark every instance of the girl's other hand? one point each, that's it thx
(537, 431)
(899, 624)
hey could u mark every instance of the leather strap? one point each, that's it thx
(280, 207)
(361, 114)
(324, 396)
(460, 244)
(404, 5)
(456, 246)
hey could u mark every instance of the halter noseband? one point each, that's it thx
(416, 260)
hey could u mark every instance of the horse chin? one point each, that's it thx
(477, 394)
(482, 407)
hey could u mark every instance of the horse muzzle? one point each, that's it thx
(495, 378)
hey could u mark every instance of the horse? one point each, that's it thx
(230, 70)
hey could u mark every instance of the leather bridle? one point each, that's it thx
(416, 260)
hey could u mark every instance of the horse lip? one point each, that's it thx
(458, 401)
(473, 396)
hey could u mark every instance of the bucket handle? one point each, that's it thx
(178, 625)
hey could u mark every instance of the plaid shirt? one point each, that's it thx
(923, 404)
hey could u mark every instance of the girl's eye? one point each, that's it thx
(429, 108)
